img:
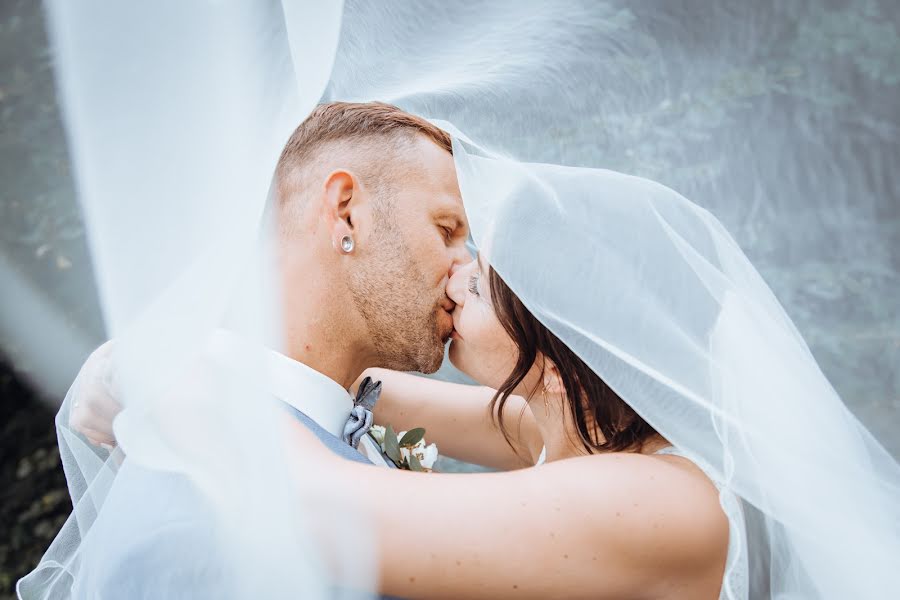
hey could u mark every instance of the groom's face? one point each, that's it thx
(419, 231)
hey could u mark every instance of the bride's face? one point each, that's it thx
(479, 345)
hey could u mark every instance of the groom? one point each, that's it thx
(369, 227)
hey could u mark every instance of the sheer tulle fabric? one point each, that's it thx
(653, 293)
(176, 113)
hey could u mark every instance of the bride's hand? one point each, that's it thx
(94, 405)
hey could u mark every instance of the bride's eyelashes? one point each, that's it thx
(473, 283)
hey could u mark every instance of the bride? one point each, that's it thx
(688, 446)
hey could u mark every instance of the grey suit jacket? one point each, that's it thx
(179, 554)
(334, 444)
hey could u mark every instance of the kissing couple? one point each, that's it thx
(634, 374)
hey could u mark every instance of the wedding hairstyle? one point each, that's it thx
(335, 121)
(372, 132)
(605, 422)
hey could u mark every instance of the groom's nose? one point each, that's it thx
(460, 257)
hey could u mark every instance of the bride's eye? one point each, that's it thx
(473, 284)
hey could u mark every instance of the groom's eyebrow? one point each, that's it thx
(450, 212)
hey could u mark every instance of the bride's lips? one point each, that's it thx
(454, 335)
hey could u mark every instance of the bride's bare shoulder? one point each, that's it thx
(662, 505)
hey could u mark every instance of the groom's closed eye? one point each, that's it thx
(450, 229)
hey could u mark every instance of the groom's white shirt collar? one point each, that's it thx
(319, 397)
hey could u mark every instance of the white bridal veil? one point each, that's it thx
(780, 120)
(671, 314)
(176, 114)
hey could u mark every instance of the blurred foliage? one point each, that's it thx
(862, 34)
(34, 499)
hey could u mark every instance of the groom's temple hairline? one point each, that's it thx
(341, 121)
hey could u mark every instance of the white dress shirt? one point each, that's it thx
(317, 396)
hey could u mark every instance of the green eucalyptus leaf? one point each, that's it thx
(415, 465)
(412, 437)
(391, 446)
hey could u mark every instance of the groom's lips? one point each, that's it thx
(449, 326)
(447, 307)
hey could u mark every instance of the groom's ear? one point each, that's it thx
(340, 191)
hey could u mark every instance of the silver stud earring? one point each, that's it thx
(347, 244)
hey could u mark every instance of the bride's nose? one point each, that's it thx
(456, 286)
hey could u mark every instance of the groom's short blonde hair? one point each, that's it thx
(371, 135)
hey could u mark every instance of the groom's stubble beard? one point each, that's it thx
(401, 316)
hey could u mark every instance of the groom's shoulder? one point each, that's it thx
(156, 532)
(162, 495)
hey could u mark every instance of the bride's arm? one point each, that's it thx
(613, 526)
(456, 418)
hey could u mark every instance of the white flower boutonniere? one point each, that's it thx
(407, 449)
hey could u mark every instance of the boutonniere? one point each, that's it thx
(406, 449)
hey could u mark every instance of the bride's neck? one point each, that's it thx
(557, 427)
(556, 423)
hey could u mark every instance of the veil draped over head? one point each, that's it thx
(780, 120)
(652, 292)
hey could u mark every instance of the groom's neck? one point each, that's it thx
(320, 329)
(325, 353)
(318, 334)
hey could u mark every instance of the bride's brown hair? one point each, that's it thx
(605, 422)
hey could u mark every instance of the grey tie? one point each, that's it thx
(360, 420)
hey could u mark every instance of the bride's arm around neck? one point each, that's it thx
(457, 419)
